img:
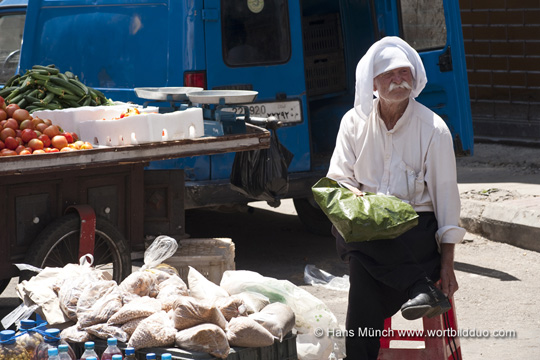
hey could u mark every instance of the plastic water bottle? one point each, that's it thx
(63, 352)
(89, 351)
(28, 338)
(130, 354)
(8, 347)
(112, 349)
(53, 353)
(51, 339)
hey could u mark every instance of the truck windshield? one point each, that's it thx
(11, 31)
(255, 32)
(423, 23)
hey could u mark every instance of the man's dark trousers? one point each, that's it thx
(381, 273)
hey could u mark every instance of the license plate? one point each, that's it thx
(285, 111)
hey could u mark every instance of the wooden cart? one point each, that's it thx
(49, 201)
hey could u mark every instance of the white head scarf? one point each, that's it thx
(386, 54)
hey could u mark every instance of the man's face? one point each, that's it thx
(394, 85)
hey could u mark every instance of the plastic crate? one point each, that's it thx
(285, 350)
(322, 34)
(325, 73)
(210, 257)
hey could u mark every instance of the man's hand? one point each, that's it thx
(448, 284)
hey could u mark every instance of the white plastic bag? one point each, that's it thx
(203, 289)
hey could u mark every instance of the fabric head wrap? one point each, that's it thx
(386, 54)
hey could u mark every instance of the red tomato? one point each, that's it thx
(11, 143)
(4, 133)
(10, 109)
(28, 134)
(35, 144)
(68, 137)
(45, 139)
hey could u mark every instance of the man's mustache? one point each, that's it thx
(403, 85)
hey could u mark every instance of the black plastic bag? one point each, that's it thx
(263, 174)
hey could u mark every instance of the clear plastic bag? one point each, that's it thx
(246, 332)
(169, 290)
(98, 303)
(277, 318)
(317, 277)
(310, 312)
(188, 312)
(137, 308)
(208, 338)
(202, 288)
(162, 248)
(155, 331)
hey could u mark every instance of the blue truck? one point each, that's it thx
(300, 56)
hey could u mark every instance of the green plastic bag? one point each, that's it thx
(363, 218)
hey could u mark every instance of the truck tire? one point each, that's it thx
(312, 216)
(58, 244)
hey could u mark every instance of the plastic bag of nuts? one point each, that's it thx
(155, 331)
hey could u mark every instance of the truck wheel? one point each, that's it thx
(312, 216)
(58, 244)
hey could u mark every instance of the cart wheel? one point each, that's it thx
(58, 244)
(312, 216)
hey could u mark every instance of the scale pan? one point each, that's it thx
(228, 96)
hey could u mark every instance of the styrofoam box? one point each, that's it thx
(144, 128)
(70, 118)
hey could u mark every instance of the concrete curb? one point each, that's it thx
(515, 222)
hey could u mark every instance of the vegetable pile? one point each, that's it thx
(46, 88)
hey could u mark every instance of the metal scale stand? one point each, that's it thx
(224, 111)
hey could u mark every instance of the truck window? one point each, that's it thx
(11, 31)
(255, 32)
(423, 23)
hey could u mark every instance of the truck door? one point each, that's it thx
(257, 45)
(12, 16)
(433, 28)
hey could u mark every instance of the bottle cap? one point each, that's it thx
(150, 356)
(89, 345)
(63, 348)
(166, 356)
(7, 336)
(52, 335)
(27, 324)
(52, 351)
(91, 358)
(117, 357)
(112, 341)
(130, 351)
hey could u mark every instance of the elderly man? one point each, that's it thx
(393, 145)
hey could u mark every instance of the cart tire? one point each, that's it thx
(313, 218)
(58, 244)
